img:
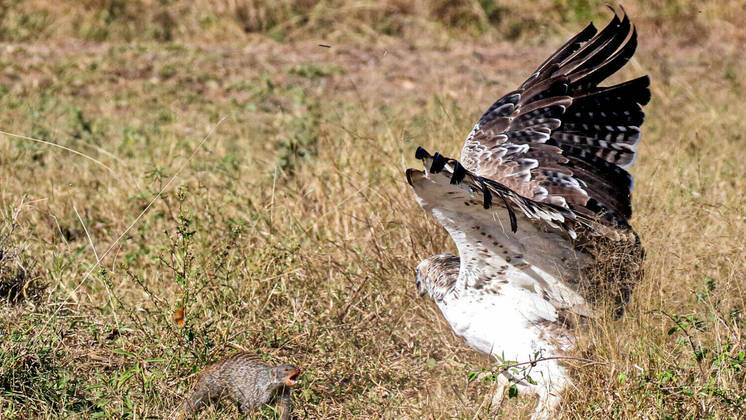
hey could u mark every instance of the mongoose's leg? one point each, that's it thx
(245, 408)
(242, 393)
(197, 400)
(206, 391)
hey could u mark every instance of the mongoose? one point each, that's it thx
(246, 379)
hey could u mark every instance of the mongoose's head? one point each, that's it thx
(286, 374)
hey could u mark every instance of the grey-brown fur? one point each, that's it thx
(246, 379)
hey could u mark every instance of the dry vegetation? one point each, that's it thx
(268, 171)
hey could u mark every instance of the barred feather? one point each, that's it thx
(592, 130)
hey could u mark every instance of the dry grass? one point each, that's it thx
(291, 232)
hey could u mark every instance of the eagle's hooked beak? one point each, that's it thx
(418, 283)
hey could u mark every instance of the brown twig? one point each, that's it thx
(544, 359)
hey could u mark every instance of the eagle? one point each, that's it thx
(538, 207)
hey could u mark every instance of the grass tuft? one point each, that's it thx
(281, 222)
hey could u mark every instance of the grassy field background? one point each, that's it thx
(215, 158)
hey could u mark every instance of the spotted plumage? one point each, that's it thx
(551, 239)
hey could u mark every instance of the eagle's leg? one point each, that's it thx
(547, 407)
(497, 398)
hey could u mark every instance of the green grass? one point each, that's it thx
(281, 221)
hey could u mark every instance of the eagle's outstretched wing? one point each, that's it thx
(562, 139)
(521, 232)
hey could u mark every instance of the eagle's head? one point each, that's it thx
(436, 275)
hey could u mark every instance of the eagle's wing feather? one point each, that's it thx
(560, 138)
(497, 230)
(502, 237)
(572, 226)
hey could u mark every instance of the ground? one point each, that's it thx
(178, 183)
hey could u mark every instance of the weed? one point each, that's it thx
(298, 145)
(314, 71)
(19, 279)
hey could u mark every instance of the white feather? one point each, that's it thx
(509, 288)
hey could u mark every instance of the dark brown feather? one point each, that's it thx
(559, 123)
